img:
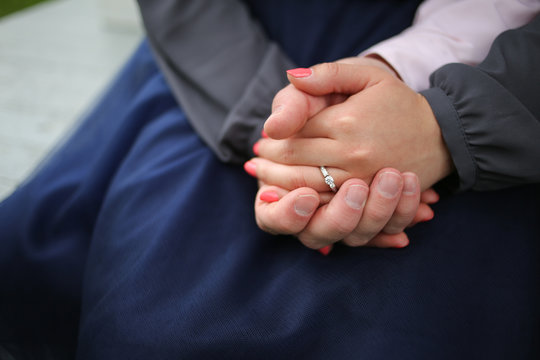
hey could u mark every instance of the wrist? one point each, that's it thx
(381, 62)
(371, 60)
(440, 158)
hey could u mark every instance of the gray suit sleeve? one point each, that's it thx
(220, 66)
(490, 114)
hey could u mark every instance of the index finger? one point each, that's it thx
(292, 108)
(289, 214)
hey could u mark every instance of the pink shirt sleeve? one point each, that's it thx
(446, 31)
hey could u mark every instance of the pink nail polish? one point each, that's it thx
(325, 250)
(256, 148)
(429, 217)
(269, 196)
(404, 244)
(300, 72)
(251, 168)
(264, 135)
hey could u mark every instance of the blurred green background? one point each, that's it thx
(11, 6)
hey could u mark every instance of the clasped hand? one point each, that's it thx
(366, 127)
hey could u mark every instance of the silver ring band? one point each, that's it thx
(328, 179)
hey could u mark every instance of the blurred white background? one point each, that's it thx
(55, 60)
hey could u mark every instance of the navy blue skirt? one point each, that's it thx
(132, 241)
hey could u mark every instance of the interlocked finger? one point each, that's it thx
(300, 151)
(380, 206)
(407, 206)
(293, 177)
(289, 213)
(337, 219)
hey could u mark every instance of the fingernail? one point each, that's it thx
(388, 184)
(251, 168)
(256, 148)
(409, 184)
(429, 217)
(404, 244)
(356, 196)
(325, 250)
(305, 204)
(264, 135)
(300, 72)
(269, 196)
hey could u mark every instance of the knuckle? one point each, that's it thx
(288, 154)
(338, 228)
(394, 228)
(282, 95)
(298, 179)
(263, 226)
(357, 240)
(345, 123)
(378, 215)
(332, 69)
(404, 214)
(262, 172)
(276, 227)
(310, 241)
(361, 155)
(268, 222)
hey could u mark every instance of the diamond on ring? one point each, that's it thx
(328, 179)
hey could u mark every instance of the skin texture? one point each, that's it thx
(382, 122)
(331, 107)
(357, 215)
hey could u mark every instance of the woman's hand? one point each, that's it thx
(354, 120)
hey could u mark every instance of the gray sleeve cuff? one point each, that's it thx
(244, 123)
(454, 136)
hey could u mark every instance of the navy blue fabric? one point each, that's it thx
(315, 31)
(133, 242)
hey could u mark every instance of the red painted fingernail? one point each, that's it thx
(404, 244)
(325, 250)
(269, 196)
(251, 168)
(429, 218)
(256, 148)
(264, 135)
(300, 72)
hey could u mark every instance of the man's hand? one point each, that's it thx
(357, 214)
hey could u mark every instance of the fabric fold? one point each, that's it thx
(495, 107)
(224, 73)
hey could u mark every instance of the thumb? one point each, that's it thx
(286, 212)
(333, 77)
(292, 108)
